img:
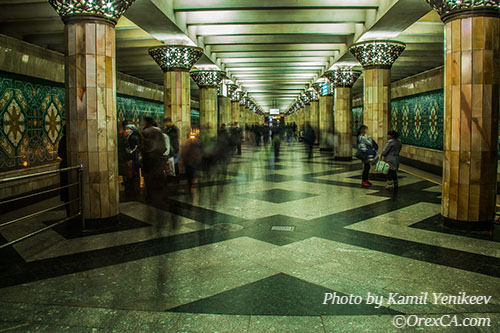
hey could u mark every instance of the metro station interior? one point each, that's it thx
(249, 166)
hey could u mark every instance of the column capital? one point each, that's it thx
(176, 58)
(236, 96)
(312, 94)
(377, 53)
(231, 88)
(243, 99)
(318, 86)
(450, 9)
(208, 78)
(106, 10)
(342, 77)
(304, 98)
(249, 103)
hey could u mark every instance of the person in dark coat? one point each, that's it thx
(276, 135)
(390, 154)
(153, 147)
(236, 137)
(128, 156)
(173, 134)
(309, 138)
(367, 152)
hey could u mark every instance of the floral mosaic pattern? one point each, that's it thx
(419, 119)
(135, 109)
(31, 120)
(357, 119)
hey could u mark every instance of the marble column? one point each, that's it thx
(224, 104)
(314, 117)
(307, 109)
(325, 118)
(224, 110)
(377, 58)
(243, 104)
(470, 154)
(302, 116)
(91, 122)
(343, 80)
(176, 61)
(208, 81)
(235, 106)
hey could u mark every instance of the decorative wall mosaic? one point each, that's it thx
(357, 119)
(419, 119)
(31, 120)
(136, 109)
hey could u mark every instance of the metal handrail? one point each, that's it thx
(79, 199)
(43, 173)
(37, 193)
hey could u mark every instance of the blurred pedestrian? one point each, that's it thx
(390, 154)
(153, 148)
(309, 138)
(367, 153)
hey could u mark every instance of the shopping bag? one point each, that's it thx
(170, 167)
(382, 167)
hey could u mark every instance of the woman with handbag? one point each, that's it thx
(390, 154)
(367, 153)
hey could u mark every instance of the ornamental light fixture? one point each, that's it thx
(377, 53)
(448, 8)
(342, 77)
(110, 10)
(305, 99)
(236, 96)
(176, 57)
(208, 78)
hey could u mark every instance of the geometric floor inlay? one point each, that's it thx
(278, 295)
(278, 195)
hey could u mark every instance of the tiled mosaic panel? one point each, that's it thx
(32, 117)
(136, 109)
(419, 119)
(31, 120)
(357, 119)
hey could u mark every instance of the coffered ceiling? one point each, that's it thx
(273, 48)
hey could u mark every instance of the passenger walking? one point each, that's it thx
(236, 137)
(153, 148)
(309, 138)
(367, 153)
(390, 154)
(276, 135)
(129, 159)
(173, 134)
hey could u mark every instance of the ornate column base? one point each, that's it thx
(468, 226)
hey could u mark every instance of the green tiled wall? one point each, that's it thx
(357, 119)
(419, 119)
(136, 109)
(31, 120)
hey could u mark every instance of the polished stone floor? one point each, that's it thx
(253, 249)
